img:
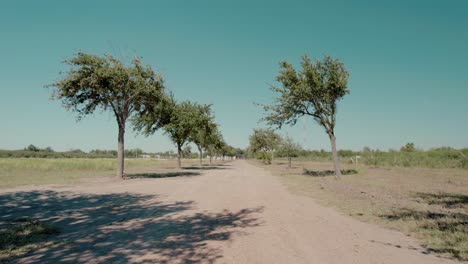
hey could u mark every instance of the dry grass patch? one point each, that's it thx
(41, 171)
(23, 235)
(429, 204)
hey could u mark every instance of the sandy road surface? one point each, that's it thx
(237, 213)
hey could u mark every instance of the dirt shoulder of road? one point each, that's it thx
(428, 204)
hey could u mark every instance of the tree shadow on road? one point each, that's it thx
(162, 175)
(204, 168)
(448, 200)
(123, 227)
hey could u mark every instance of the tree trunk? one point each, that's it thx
(289, 158)
(179, 156)
(201, 155)
(336, 161)
(210, 156)
(120, 152)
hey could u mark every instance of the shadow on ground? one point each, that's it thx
(205, 168)
(323, 173)
(122, 228)
(444, 222)
(162, 175)
(448, 200)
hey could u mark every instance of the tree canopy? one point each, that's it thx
(264, 142)
(312, 91)
(103, 82)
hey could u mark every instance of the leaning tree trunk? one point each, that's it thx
(179, 156)
(336, 161)
(120, 152)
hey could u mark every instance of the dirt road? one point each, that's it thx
(237, 213)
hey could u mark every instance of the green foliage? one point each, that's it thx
(288, 148)
(215, 143)
(264, 140)
(205, 130)
(313, 91)
(56, 155)
(433, 158)
(94, 82)
(264, 156)
(182, 122)
(409, 147)
(31, 148)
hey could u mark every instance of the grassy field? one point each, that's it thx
(32, 171)
(429, 204)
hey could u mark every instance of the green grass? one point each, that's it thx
(434, 158)
(23, 235)
(27, 171)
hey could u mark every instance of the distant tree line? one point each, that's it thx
(32, 151)
(266, 144)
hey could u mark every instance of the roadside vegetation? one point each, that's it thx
(33, 171)
(426, 203)
(38, 171)
(443, 157)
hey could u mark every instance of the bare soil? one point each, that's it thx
(231, 213)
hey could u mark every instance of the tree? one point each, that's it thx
(264, 142)
(203, 129)
(312, 91)
(31, 147)
(409, 147)
(180, 126)
(215, 143)
(103, 82)
(289, 148)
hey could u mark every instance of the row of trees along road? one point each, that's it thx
(264, 143)
(136, 94)
(311, 91)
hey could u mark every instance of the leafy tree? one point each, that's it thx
(289, 148)
(49, 149)
(409, 147)
(215, 143)
(204, 128)
(239, 152)
(313, 91)
(265, 142)
(31, 147)
(103, 82)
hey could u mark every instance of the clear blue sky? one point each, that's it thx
(408, 62)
